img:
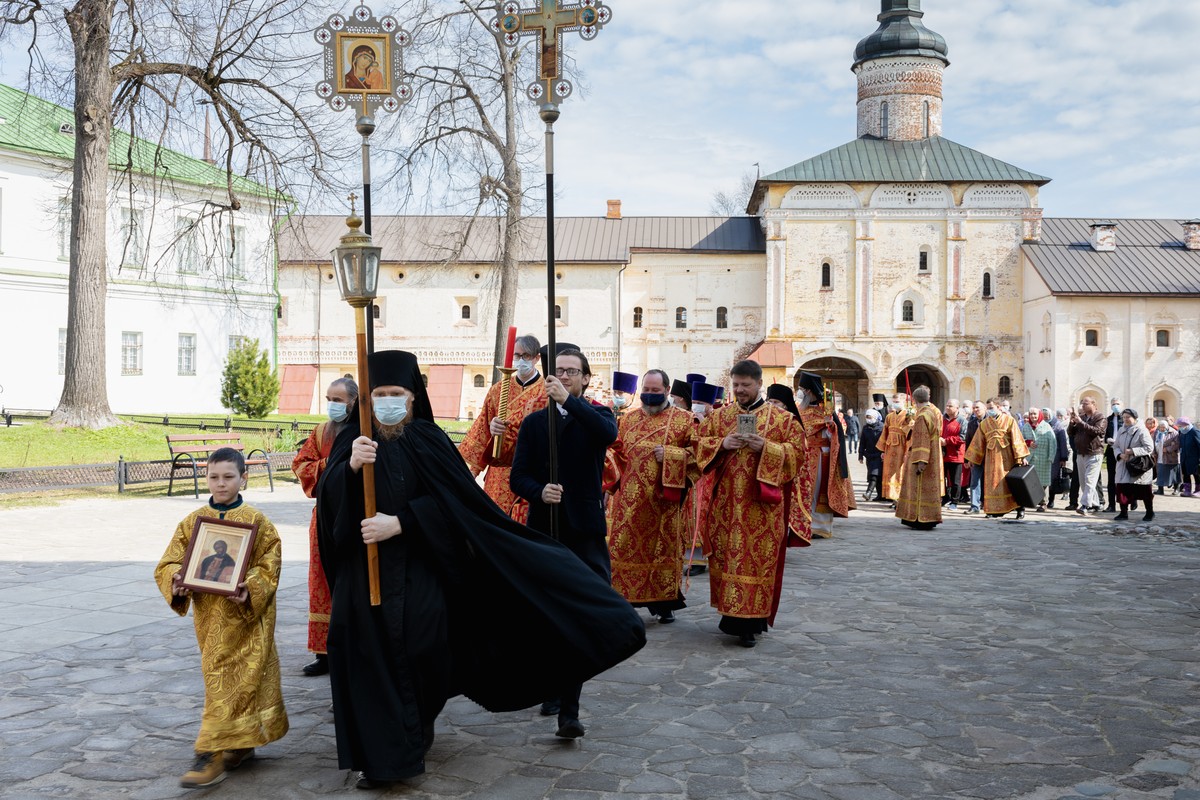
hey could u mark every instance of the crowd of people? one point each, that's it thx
(509, 569)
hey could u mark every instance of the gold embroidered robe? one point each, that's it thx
(476, 446)
(921, 495)
(243, 704)
(833, 494)
(998, 445)
(745, 537)
(308, 465)
(894, 443)
(646, 531)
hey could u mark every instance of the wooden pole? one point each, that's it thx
(361, 324)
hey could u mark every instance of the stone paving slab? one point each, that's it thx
(1033, 661)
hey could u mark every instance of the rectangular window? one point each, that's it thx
(235, 342)
(187, 246)
(237, 252)
(131, 353)
(187, 354)
(62, 351)
(63, 229)
(131, 243)
(923, 262)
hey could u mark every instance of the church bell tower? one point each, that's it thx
(899, 69)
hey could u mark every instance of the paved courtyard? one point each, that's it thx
(1036, 660)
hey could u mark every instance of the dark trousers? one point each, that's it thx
(1110, 461)
(954, 489)
(852, 442)
(593, 551)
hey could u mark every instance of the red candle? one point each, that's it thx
(512, 344)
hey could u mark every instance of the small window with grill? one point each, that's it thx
(637, 316)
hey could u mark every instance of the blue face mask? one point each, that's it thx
(993, 412)
(338, 411)
(618, 401)
(390, 410)
(655, 400)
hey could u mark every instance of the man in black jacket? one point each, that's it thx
(1111, 426)
(584, 431)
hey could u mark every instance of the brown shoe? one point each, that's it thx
(208, 769)
(235, 758)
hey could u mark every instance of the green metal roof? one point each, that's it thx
(31, 125)
(932, 160)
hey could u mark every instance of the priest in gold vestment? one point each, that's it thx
(920, 503)
(997, 447)
(526, 389)
(894, 444)
(745, 522)
(649, 515)
(831, 492)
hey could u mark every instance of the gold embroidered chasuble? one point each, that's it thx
(309, 465)
(744, 535)
(894, 443)
(476, 446)
(998, 445)
(833, 494)
(645, 530)
(921, 495)
(243, 703)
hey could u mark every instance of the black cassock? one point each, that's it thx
(473, 603)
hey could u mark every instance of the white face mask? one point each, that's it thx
(524, 367)
(338, 411)
(390, 410)
(697, 408)
(618, 401)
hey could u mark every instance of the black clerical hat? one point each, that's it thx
(879, 398)
(400, 368)
(813, 383)
(558, 348)
(777, 391)
(681, 389)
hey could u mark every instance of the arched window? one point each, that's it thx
(1160, 408)
(1091, 337)
(479, 382)
(883, 121)
(722, 317)
(466, 312)
(927, 126)
(987, 285)
(680, 317)
(1005, 386)
(826, 275)
(1162, 338)
(375, 311)
(906, 312)
(637, 316)
(558, 312)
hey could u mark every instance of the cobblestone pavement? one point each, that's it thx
(986, 659)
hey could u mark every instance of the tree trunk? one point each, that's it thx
(84, 401)
(510, 247)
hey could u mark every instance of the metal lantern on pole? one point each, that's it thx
(356, 265)
(363, 69)
(547, 22)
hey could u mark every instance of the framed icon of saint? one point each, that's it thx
(363, 63)
(218, 555)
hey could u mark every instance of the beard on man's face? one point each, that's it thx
(390, 433)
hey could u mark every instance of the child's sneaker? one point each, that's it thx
(208, 769)
(235, 758)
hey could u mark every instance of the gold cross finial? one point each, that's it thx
(352, 198)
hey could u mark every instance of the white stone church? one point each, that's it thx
(899, 258)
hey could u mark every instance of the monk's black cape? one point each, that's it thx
(473, 603)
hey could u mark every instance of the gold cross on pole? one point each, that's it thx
(548, 22)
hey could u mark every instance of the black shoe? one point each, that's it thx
(746, 640)
(318, 667)
(1160, 491)
(569, 729)
(1072, 507)
(1149, 517)
(1110, 510)
(366, 783)
(549, 708)
(1020, 513)
(1122, 515)
(666, 617)
(697, 569)
(1133, 506)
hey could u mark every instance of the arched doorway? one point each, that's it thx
(849, 381)
(924, 375)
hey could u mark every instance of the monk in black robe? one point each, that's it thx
(473, 603)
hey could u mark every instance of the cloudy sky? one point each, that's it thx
(682, 98)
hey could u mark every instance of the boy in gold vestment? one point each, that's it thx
(243, 703)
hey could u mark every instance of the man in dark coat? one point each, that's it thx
(583, 432)
(473, 603)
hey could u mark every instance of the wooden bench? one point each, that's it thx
(191, 451)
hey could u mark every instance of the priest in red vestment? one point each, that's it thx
(832, 493)
(753, 450)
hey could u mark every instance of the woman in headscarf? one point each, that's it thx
(1043, 451)
(868, 451)
(1059, 478)
(1132, 445)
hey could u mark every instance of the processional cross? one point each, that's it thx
(548, 23)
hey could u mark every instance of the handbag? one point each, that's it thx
(1139, 465)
